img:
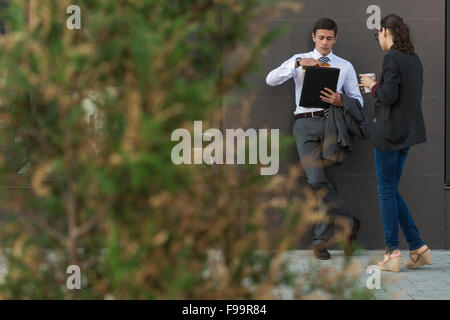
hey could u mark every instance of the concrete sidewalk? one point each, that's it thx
(426, 283)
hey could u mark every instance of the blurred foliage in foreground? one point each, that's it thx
(90, 112)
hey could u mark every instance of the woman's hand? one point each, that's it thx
(366, 81)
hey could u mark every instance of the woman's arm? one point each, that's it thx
(388, 92)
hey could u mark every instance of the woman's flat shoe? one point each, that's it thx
(391, 262)
(418, 260)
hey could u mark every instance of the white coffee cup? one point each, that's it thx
(372, 75)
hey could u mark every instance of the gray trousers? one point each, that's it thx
(309, 136)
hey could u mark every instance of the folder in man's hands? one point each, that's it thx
(316, 80)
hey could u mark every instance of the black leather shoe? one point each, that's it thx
(321, 252)
(351, 243)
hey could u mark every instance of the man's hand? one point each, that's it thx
(331, 97)
(310, 62)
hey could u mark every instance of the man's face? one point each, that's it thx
(324, 40)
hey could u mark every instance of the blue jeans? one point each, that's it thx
(393, 209)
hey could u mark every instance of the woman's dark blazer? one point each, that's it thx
(398, 119)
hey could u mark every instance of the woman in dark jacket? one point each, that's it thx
(397, 125)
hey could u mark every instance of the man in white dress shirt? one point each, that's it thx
(309, 127)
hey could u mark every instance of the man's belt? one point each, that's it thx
(314, 114)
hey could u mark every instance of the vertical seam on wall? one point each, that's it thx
(446, 244)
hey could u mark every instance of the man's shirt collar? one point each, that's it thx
(317, 55)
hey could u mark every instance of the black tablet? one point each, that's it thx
(317, 79)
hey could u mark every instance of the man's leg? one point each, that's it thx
(333, 206)
(308, 135)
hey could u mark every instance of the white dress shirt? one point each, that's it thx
(347, 82)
